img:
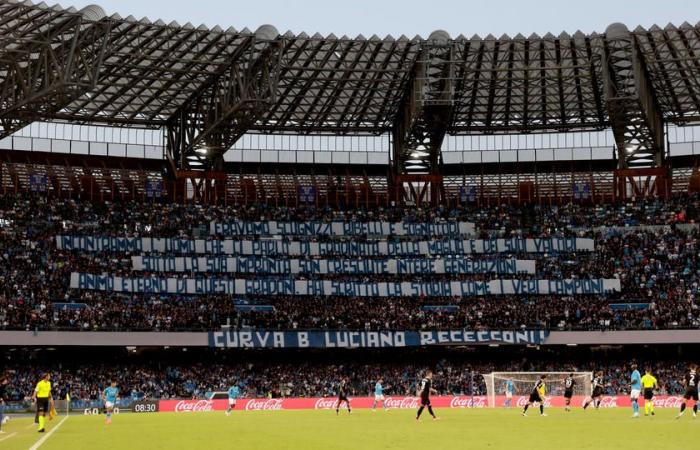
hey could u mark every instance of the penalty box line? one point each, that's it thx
(48, 435)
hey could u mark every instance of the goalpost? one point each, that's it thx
(524, 382)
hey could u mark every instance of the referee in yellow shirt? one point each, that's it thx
(43, 399)
(648, 384)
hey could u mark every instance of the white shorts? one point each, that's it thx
(109, 405)
(509, 395)
(232, 402)
(634, 394)
(378, 397)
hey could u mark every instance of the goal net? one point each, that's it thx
(524, 382)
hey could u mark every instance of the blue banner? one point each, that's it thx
(260, 308)
(370, 339)
(440, 308)
(38, 183)
(628, 306)
(582, 191)
(307, 194)
(154, 188)
(68, 306)
(467, 194)
(349, 288)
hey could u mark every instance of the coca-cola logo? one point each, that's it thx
(668, 402)
(272, 404)
(524, 400)
(468, 402)
(194, 406)
(608, 402)
(325, 403)
(402, 402)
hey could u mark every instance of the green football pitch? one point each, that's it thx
(395, 429)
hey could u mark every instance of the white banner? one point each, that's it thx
(341, 288)
(174, 246)
(280, 266)
(337, 228)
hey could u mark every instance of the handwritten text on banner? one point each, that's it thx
(365, 339)
(162, 285)
(283, 266)
(350, 228)
(346, 249)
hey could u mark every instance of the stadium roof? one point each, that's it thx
(337, 84)
(84, 67)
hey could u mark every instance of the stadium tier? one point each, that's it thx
(195, 219)
(171, 374)
(76, 265)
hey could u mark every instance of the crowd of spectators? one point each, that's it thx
(119, 312)
(312, 379)
(70, 216)
(650, 246)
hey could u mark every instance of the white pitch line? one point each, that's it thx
(48, 435)
(8, 436)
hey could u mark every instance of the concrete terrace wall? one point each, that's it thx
(201, 339)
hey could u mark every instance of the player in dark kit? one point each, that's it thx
(691, 390)
(569, 384)
(597, 391)
(342, 396)
(424, 391)
(537, 395)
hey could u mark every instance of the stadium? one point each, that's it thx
(218, 237)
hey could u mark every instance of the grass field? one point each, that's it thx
(396, 429)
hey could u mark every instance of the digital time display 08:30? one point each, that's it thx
(144, 406)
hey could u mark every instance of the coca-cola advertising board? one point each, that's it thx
(607, 401)
(393, 402)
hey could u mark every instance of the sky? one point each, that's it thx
(410, 17)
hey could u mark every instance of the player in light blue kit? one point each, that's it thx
(110, 396)
(509, 390)
(635, 390)
(233, 394)
(378, 395)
